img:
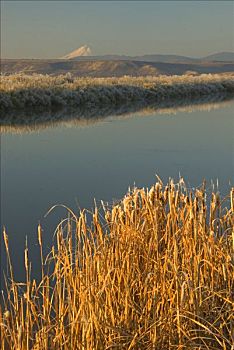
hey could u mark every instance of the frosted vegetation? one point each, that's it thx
(45, 92)
(31, 120)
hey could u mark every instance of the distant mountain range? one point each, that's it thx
(220, 56)
(85, 53)
(81, 63)
(112, 67)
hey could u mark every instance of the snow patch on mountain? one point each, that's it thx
(81, 51)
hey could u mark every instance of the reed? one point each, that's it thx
(154, 271)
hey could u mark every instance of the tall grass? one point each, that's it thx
(155, 271)
(21, 91)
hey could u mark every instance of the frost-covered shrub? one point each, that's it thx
(21, 91)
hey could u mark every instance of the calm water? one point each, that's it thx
(73, 165)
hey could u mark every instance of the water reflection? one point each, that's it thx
(62, 164)
(30, 121)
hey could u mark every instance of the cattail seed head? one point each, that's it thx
(6, 314)
(39, 233)
(6, 240)
(26, 258)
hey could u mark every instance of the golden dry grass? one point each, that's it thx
(155, 271)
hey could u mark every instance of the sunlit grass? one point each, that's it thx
(155, 271)
(21, 91)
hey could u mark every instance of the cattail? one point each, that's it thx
(6, 314)
(39, 231)
(26, 258)
(165, 194)
(217, 199)
(158, 277)
(19, 335)
(152, 194)
(232, 199)
(6, 240)
(108, 216)
(157, 189)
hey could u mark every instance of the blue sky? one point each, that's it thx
(49, 29)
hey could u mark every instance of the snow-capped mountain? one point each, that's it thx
(81, 51)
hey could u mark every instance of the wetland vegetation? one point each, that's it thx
(154, 271)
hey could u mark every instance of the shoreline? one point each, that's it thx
(34, 121)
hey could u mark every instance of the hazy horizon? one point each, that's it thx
(52, 29)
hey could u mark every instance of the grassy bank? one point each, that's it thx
(45, 92)
(32, 121)
(155, 271)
